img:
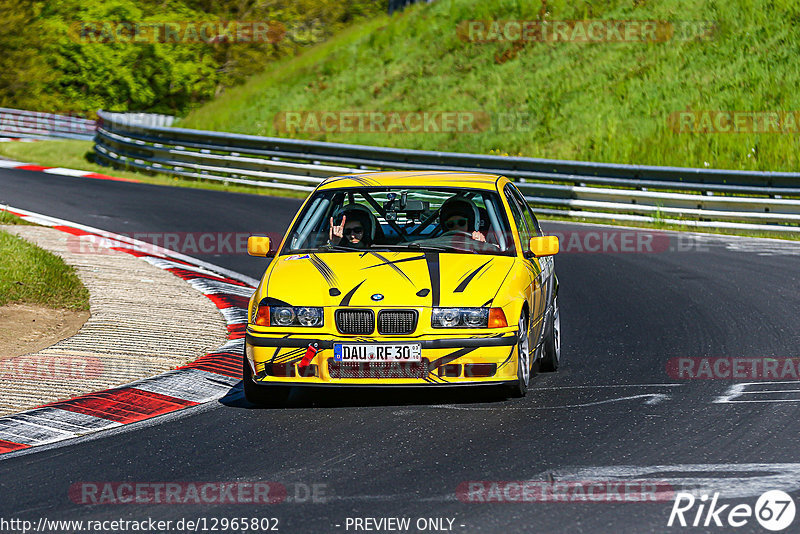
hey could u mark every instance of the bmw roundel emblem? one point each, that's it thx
(377, 296)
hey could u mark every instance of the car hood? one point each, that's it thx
(368, 279)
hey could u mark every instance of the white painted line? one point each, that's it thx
(734, 480)
(736, 391)
(11, 164)
(614, 386)
(652, 398)
(66, 172)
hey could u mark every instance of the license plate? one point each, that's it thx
(362, 352)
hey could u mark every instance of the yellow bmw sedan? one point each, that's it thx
(386, 279)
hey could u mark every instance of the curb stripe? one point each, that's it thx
(208, 378)
(229, 301)
(124, 405)
(10, 446)
(203, 387)
(61, 171)
(32, 168)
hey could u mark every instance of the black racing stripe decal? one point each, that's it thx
(432, 259)
(510, 354)
(357, 179)
(510, 268)
(324, 270)
(533, 268)
(465, 282)
(361, 180)
(447, 358)
(349, 295)
(437, 379)
(391, 264)
(291, 356)
(274, 355)
(294, 360)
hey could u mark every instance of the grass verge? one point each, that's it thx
(7, 218)
(29, 274)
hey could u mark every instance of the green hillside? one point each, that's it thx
(602, 101)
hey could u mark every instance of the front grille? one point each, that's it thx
(357, 322)
(378, 369)
(397, 321)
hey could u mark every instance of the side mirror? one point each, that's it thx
(259, 246)
(546, 245)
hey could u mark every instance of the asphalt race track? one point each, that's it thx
(613, 412)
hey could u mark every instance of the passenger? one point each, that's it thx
(459, 215)
(355, 230)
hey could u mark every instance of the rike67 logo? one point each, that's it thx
(774, 510)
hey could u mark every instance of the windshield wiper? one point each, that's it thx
(328, 248)
(415, 246)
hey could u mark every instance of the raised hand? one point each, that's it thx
(477, 236)
(336, 231)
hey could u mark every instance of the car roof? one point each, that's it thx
(472, 180)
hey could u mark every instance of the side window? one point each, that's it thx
(530, 218)
(517, 212)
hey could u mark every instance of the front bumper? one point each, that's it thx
(446, 360)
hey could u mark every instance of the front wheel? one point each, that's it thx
(520, 387)
(268, 396)
(551, 357)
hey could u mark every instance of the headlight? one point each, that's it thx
(309, 316)
(287, 316)
(460, 318)
(282, 316)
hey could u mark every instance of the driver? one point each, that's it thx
(458, 215)
(355, 230)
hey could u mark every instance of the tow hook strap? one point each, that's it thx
(311, 351)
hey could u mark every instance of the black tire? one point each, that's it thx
(551, 345)
(520, 387)
(268, 396)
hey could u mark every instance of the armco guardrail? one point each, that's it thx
(38, 125)
(696, 197)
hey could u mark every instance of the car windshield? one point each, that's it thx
(469, 221)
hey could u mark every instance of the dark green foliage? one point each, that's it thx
(50, 62)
